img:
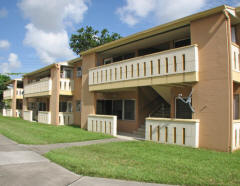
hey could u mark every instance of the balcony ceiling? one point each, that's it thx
(180, 33)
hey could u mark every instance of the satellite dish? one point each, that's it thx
(187, 101)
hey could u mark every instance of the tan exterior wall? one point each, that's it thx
(54, 98)
(88, 100)
(25, 100)
(212, 95)
(14, 101)
(77, 94)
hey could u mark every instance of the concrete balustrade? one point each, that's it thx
(66, 84)
(8, 94)
(28, 115)
(7, 112)
(173, 131)
(106, 124)
(42, 86)
(19, 93)
(171, 62)
(44, 117)
(236, 135)
(66, 118)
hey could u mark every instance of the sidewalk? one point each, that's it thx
(20, 165)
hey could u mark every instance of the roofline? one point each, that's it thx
(161, 28)
(75, 60)
(40, 70)
(12, 80)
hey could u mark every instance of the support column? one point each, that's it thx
(14, 101)
(54, 98)
(88, 98)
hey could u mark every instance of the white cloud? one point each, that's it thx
(4, 44)
(46, 32)
(13, 63)
(49, 45)
(3, 12)
(162, 10)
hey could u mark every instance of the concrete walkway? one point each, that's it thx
(21, 166)
(42, 149)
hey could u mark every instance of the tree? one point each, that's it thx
(3, 86)
(87, 38)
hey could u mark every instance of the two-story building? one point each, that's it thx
(48, 94)
(177, 83)
(13, 98)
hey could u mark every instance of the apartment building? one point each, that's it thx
(177, 83)
(13, 98)
(48, 94)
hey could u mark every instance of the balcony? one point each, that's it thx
(39, 88)
(66, 86)
(19, 93)
(8, 94)
(235, 62)
(178, 65)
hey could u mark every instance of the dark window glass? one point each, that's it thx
(104, 107)
(129, 110)
(118, 58)
(183, 110)
(117, 108)
(78, 106)
(79, 71)
(128, 56)
(182, 43)
(63, 107)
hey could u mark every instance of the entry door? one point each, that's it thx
(183, 110)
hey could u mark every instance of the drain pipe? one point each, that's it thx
(229, 44)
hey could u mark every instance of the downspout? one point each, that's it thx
(230, 77)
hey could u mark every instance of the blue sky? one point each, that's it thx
(35, 33)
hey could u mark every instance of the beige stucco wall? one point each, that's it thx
(87, 98)
(54, 98)
(212, 95)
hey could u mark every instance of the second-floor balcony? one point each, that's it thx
(235, 62)
(178, 65)
(8, 94)
(44, 87)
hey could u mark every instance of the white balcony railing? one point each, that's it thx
(7, 112)
(66, 118)
(103, 124)
(19, 92)
(66, 84)
(44, 85)
(174, 61)
(236, 135)
(235, 58)
(173, 131)
(8, 94)
(28, 115)
(44, 117)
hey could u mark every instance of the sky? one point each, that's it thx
(36, 33)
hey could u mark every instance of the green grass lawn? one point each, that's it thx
(25, 132)
(151, 162)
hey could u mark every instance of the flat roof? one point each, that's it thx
(161, 28)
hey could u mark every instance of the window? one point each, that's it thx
(63, 107)
(233, 33)
(78, 106)
(66, 72)
(79, 72)
(42, 106)
(117, 108)
(107, 61)
(123, 109)
(129, 109)
(182, 43)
